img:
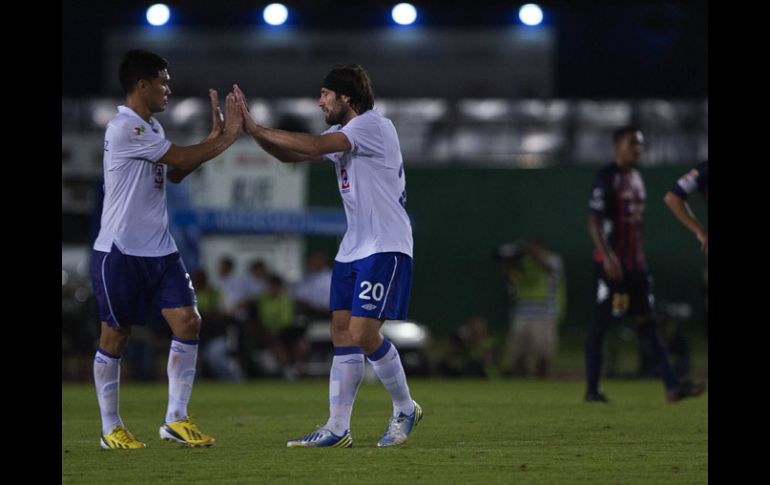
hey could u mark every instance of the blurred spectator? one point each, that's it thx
(470, 351)
(274, 325)
(232, 289)
(220, 334)
(148, 342)
(312, 293)
(537, 295)
(256, 280)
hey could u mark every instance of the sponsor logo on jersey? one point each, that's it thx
(158, 175)
(345, 180)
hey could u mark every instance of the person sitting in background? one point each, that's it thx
(275, 325)
(220, 338)
(256, 280)
(232, 289)
(469, 351)
(311, 295)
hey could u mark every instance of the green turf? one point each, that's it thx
(498, 431)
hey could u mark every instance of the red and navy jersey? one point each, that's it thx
(617, 198)
(697, 178)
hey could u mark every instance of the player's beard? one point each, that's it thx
(335, 116)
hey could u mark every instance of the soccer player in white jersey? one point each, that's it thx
(372, 274)
(136, 268)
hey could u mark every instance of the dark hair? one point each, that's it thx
(618, 134)
(139, 64)
(352, 80)
(274, 279)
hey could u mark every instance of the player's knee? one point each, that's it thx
(114, 340)
(367, 340)
(339, 327)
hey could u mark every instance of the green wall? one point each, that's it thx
(461, 215)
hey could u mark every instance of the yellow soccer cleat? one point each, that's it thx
(186, 432)
(120, 438)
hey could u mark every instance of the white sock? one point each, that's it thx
(107, 381)
(181, 374)
(387, 365)
(345, 376)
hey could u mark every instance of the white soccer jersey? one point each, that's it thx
(372, 184)
(134, 215)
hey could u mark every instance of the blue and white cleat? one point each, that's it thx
(399, 427)
(322, 438)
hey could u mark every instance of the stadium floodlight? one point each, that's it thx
(531, 14)
(404, 14)
(275, 14)
(158, 14)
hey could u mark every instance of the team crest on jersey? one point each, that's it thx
(139, 130)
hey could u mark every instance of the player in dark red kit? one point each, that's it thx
(623, 284)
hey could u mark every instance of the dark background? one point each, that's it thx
(650, 38)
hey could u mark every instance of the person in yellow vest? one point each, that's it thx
(537, 293)
(275, 314)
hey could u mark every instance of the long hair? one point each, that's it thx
(358, 84)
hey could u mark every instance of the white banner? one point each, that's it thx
(245, 177)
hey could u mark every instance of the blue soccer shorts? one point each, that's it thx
(128, 287)
(377, 286)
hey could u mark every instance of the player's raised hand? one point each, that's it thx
(249, 125)
(234, 116)
(217, 119)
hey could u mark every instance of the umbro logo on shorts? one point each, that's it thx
(369, 306)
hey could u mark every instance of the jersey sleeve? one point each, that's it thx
(136, 141)
(364, 136)
(599, 203)
(687, 183)
(329, 157)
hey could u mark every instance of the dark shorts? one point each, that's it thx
(633, 295)
(377, 286)
(128, 288)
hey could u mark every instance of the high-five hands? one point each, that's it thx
(249, 125)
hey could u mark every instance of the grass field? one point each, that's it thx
(494, 431)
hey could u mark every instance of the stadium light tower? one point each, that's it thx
(531, 14)
(275, 14)
(404, 14)
(158, 14)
